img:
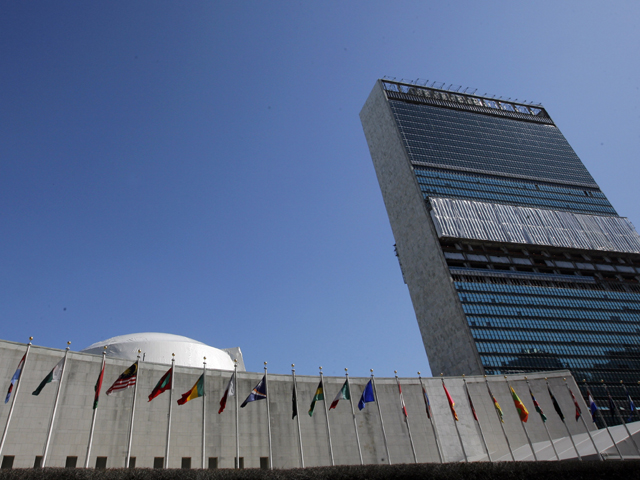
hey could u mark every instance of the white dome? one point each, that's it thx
(158, 347)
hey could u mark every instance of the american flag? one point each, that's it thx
(125, 380)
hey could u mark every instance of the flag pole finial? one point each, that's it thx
(30, 339)
(621, 382)
(320, 368)
(441, 374)
(395, 371)
(418, 372)
(173, 354)
(463, 375)
(371, 370)
(525, 377)
(346, 369)
(68, 343)
(293, 365)
(265, 363)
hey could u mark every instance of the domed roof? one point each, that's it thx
(158, 347)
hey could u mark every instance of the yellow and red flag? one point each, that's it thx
(451, 402)
(522, 410)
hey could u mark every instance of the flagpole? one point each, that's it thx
(237, 394)
(484, 442)
(93, 418)
(384, 434)
(500, 421)
(133, 411)
(13, 401)
(455, 423)
(266, 391)
(535, 457)
(565, 424)
(585, 424)
(603, 422)
(353, 414)
(173, 378)
(430, 416)
(295, 397)
(55, 407)
(620, 417)
(406, 419)
(326, 414)
(204, 408)
(543, 423)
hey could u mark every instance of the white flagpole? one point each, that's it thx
(266, 391)
(204, 408)
(326, 414)
(406, 419)
(605, 425)
(93, 418)
(353, 414)
(295, 395)
(384, 434)
(15, 394)
(565, 426)
(585, 423)
(620, 417)
(237, 394)
(455, 424)
(133, 411)
(55, 407)
(484, 442)
(544, 424)
(535, 457)
(430, 415)
(173, 378)
(500, 420)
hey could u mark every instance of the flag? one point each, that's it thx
(343, 394)
(163, 384)
(54, 376)
(538, 408)
(612, 406)
(294, 402)
(258, 393)
(451, 402)
(125, 380)
(16, 377)
(229, 392)
(318, 396)
(473, 410)
(593, 408)
(575, 402)
(632, 407)
(194, 392)
(404, 407)
(367, 396)
(522, 410)
(556, 406)
(98, 387)
(496, 405)
(427, 404)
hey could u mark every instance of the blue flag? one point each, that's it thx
(632, 407)
(367, 396)
(592, 406)
(15, 378)
(258, 393)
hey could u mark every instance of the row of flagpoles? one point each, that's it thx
(260, 392)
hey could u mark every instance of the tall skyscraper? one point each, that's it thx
(514, 258)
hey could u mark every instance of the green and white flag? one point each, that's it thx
(54, 376)
(343, 394)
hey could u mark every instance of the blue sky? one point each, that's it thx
(199, 168)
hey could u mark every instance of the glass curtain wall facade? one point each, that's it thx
(546, 272)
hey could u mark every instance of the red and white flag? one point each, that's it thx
(404, 408)
(125, 380)
(229, 392)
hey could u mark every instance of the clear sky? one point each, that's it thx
(199, 168)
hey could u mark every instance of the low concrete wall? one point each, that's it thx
(28, 429)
